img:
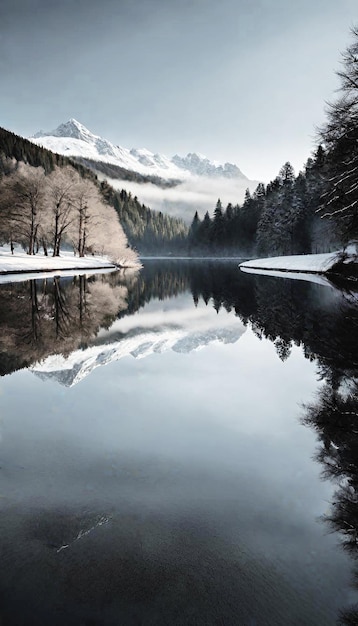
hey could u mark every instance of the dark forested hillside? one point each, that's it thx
(120, 173)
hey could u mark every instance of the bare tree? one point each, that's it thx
(23, 205)
(96, 228)
(86, 202)
(60, 195)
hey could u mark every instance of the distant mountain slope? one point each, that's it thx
(115, 172)
(73, 139)
(200, 165)
(178, 186)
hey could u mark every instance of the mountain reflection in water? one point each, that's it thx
(164, 566)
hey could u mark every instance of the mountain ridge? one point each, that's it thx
(72, 138)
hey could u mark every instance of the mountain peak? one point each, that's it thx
(200, 165)
(73, 129)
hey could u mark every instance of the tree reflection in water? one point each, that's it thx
(334, 417)
(55, 316)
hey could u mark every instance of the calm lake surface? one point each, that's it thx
(163, 440)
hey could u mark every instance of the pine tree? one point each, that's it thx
(218, 227)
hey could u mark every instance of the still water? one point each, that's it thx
(173, 449)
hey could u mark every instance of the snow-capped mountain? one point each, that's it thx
(74, 139)
(194, 182)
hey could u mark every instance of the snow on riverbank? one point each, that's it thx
(22, 262)
(298, 263)
(313, 263)
(21, 266)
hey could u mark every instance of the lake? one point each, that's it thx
(178, 447)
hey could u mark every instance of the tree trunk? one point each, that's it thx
(55, 239)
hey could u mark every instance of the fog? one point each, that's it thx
(197, 194)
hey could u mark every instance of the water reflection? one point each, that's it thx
(58, 316)
(334, 417)
(173, 503)
(55, 316)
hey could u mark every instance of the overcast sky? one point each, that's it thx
(238, 80)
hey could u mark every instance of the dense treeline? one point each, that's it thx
(280, 218)
(315, 211)
(14, 147)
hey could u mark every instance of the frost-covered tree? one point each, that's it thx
(59, 207)
(60, 187)
(23, 205)
(340, 138)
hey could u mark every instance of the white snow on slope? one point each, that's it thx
(73, 139)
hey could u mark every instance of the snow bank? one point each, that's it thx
(313, 263)
(298, 263)
(22, 262)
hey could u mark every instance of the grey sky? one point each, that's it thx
(238, 80)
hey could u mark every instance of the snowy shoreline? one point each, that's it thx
(303, 263)
(21, 266)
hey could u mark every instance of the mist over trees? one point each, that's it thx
(150, 232)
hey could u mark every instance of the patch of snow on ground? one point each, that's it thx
(22, 263)
(319, 263)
